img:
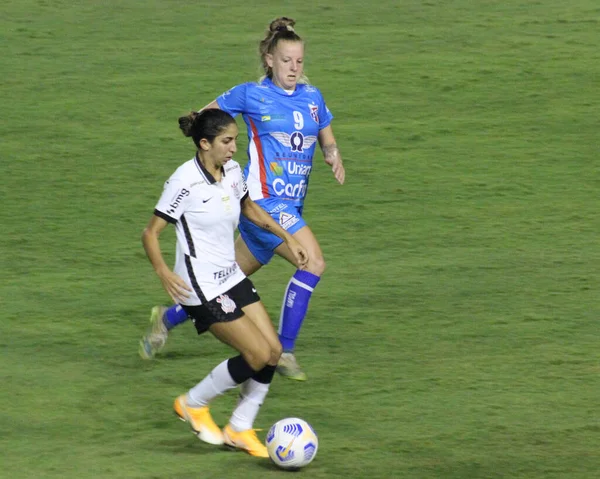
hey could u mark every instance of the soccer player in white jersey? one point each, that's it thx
(204, 199)
(285, 117)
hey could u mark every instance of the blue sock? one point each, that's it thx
(295, 305)
(174, 316)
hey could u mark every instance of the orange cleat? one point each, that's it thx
(246, 440)
(200, 421)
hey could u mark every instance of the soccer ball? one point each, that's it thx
(292, 443)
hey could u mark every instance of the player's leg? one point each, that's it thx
(296, 299)
(243, 335)
(162, 320)
(254, 390)
(253, 346)
(239, 432)
(245, 258)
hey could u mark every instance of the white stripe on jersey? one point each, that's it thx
(253, 180)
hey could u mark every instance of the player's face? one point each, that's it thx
(224, 146)
(287, 63)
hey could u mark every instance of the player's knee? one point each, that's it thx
(317, 265)
(276, 351)
(258, 357)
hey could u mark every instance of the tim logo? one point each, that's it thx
(227, 304)
(296, 141)
(177, 201)
(314, 112)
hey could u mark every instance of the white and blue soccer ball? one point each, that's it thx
(292, 443)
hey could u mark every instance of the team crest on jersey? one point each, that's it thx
(287, 220)
(227, 304)
(235, 187)
(296, 141)
(314, 112)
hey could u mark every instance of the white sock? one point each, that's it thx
(252, 395)
(216, 383)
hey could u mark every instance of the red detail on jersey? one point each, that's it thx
(261, 158)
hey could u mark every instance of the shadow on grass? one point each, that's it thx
(189, 446)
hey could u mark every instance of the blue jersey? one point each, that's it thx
(282, 136)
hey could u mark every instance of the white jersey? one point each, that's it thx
(205, 213)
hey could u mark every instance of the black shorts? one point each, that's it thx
(225, 307)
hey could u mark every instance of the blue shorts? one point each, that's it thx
(261, 243)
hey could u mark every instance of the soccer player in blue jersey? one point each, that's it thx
(286, 117)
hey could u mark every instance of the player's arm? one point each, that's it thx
(261, 218)
(331, 153)
(172, 283)
(212, 104)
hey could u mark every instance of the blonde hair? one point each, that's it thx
(281, 28)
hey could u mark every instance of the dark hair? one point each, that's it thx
(207, 124)
(281, 28)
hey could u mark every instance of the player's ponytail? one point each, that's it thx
(281, 28)
(207, 124)
(186, 123)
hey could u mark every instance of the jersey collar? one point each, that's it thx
(268, 82)
(210, 179)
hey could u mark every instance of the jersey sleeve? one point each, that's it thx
(326, 117)
(234, 101)
(173, 201)
(243, 187)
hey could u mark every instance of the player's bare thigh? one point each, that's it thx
(259, 316)
(316, 262)
(244, 257)
(243, 335)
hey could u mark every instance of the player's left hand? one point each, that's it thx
(337, 167)
(299, 253)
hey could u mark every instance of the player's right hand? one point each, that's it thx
(174, 286)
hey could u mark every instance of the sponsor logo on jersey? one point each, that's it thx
(177, 201)
(276, 168)
(298, 169)
(314, 112)
(286, 221)
(227, 304)
(272, 117)
(278, 208)
(292, 168)
(224, 274)
(289, 190)
(296, 141)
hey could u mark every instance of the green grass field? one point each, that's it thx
(455, 333)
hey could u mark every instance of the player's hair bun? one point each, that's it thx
(187, 122)
(282, 24)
